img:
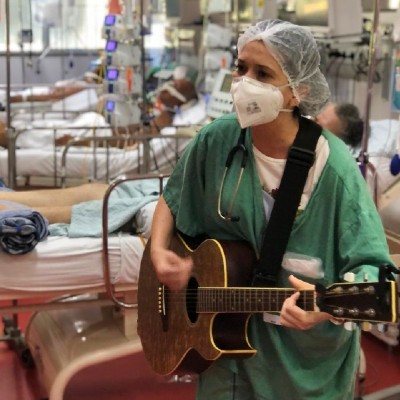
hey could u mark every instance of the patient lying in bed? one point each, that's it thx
(77, 211)
(178, 103)
(55, 204)
(61, 89)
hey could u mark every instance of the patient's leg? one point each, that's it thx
(57, 197)
(56, 204)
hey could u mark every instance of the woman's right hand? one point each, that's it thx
(171, 269)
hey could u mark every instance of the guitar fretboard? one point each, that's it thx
(252, 300)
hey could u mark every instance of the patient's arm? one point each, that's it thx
(57, 93)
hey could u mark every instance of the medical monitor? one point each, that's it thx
(110, 20)
(221, 102)
(111, 46)
(112, 74)
(225, 86)
(110, 105)
(330, 18)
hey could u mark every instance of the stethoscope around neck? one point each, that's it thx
(239, 147)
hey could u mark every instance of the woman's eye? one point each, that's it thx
(262, 75)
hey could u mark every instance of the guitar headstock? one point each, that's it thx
(366, 301)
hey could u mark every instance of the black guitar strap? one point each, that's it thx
(301, 157)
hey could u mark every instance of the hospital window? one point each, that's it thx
(54, 24)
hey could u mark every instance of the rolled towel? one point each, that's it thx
(21, 230)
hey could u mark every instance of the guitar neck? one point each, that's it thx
(249, 300)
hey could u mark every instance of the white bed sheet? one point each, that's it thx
(381, 148)
(40, 133)
(61, 264)
(82, 162)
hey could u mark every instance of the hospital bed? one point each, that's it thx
(74, 286)
(39, 161)
(385, 189)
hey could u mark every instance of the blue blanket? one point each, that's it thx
(21, 230)
(124, 202)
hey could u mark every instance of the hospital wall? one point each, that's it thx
(54, 67)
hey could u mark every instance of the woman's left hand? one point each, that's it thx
(293, 316)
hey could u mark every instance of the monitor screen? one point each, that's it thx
(110, 105)
(226, 83)
(112, 74)
(110, 20)
(111, 45)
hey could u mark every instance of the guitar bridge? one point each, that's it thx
(162, 306)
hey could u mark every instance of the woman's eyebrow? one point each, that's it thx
(266, 68)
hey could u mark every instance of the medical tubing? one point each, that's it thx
(363, 156)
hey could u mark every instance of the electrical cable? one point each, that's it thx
(30, 62)
(340, 63)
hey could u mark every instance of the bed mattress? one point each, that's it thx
(62, 263)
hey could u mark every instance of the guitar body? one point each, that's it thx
(185, 331)
(175, 338)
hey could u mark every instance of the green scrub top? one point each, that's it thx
(340, 225)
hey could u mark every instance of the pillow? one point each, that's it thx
(144, 218)
(390, 215)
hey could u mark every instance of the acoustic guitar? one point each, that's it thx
(185, 331)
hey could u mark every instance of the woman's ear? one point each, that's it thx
(302, 91)
(294, 101)
(298, 93)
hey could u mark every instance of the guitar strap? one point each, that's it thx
(301, 157)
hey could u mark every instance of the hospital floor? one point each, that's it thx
(129, 378)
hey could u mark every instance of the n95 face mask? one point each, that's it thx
(255, 102)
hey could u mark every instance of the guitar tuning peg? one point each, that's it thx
(349, 277)
(366, 326)
(349, 325)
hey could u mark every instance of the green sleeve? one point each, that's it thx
(184, 193)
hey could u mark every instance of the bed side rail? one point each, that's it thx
(106, 264)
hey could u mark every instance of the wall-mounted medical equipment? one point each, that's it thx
(123, 81)
(183, 11)
(119, 112)
(251, 11)
(216, 6)
(116, 27)
(384, 5)
(217, 36)
(122, 54)
(330, 18)
(221, 101)
(215, 59)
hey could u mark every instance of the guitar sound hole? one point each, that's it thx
(191, 300)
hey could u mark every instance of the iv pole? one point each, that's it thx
(363, 157)
(10, 129)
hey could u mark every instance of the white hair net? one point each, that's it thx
(296, 51)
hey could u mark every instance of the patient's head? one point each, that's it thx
(176, 92)
(342, 119)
